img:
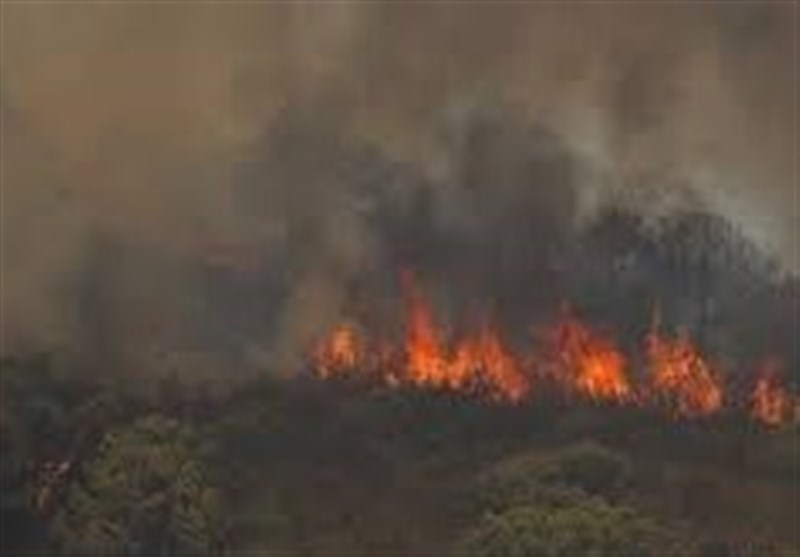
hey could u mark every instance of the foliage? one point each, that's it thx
(547, 505)
(144, 494)
(588, 528)
(592, 468)
(558, 477)
(706, 275)
(400, 472)
(37, 415)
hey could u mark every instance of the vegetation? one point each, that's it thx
(588, 527)
(302, 468)
(143, 494)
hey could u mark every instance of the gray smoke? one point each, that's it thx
(211, 186)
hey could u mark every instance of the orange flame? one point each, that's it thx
(579, 360)
(339, 353)
(680, 374)
(769, 402)
(426, 359)
(480, 361)
(484, 360)
(594, 367)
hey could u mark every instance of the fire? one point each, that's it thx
(426, 360)
(591, 365)
(483, 360)
(339, 353)
(770, 404)
(479, 361)
(578, 360)
(680, 374)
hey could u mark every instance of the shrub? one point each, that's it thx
(592, 468)
(144, 494)
(557, 479)
(591, 528)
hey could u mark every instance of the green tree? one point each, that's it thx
(591, 467)
(591, 528)
(561, 476)
(143, 494)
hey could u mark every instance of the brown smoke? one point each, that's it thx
(204, 144)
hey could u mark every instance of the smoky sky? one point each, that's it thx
(183, 176)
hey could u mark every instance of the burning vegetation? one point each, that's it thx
(571, 357)
(588, 364)
(681, 375)
(341, 350)
(199, 217)
(770, 403)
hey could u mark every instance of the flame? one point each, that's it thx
(476, 361)
(340, 353)
(484, 360)
(770, 404)
(593, 365)
(426, 360)
(680, 374)
(579, 361)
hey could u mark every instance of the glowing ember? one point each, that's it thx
(769, 402)
(592, 366)
(679, 374)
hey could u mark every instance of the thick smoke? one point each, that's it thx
(205, 188)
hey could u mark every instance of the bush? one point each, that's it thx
(144, 494)
(555, 479)
(592, 468)
(589, 528)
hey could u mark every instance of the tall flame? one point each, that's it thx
(579, 361)
(484, 360)
(770, 403)
(426, 360)
(481, 361)
(591, 364)
(679, 374)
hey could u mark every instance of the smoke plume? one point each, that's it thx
(199, 187)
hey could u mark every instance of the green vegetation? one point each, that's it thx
(588, 527)
(298, 467)
(143, 494)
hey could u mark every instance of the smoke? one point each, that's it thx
(216, 184)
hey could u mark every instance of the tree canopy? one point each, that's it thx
(144, 494)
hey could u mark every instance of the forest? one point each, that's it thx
(302, 467)
(381, 278)
(322, 463)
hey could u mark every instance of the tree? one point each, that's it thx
(37, 426)
(561, 478)
(612, 271)
(592, 468)
(591, 528)
(144, 494)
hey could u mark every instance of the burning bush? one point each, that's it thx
(569, 357)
